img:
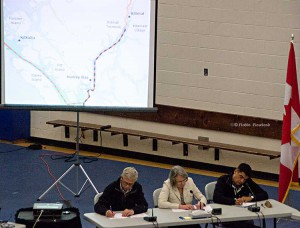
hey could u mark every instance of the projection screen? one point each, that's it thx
(78, 54)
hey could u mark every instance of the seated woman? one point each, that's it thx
(178, 192)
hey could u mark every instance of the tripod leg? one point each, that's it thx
(77, 164)
(88, 178)
(57, 181)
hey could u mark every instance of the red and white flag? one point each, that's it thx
(290, 141)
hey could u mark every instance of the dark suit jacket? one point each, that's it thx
(114, 198)
(225, 194)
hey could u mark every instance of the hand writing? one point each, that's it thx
(110, 213)
(186, 207)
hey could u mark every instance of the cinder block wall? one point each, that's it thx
(243, 44)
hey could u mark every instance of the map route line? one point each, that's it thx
(40, 70)
(107, 49)
(89, 54)
(95, 62)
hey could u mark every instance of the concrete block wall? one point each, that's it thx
(244, 44)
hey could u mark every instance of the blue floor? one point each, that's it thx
(24, 178)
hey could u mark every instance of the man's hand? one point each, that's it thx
(127, 213)
(239, 201)
(110, 213)
(186, 207)
(242, 200)
(246, 198)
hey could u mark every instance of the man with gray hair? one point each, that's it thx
(124, 194)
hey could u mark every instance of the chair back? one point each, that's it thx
(156, 193)
(97, 196)
(209, 191)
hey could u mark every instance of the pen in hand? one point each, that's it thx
(110, 213)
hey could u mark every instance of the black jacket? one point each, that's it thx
(225, 194)
(114, 198)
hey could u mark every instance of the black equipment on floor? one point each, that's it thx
(70, 218)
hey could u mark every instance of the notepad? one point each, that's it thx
(178, 210)
(119, 216)
(247, 204)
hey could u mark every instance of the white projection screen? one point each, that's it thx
(78, 54)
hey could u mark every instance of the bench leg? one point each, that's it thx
(154, 144)
(125, 140)
(185, 149)
(217, 154)
(67, 132)
(95, 135)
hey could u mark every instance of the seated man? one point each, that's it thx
(124, 194)
(237, 188)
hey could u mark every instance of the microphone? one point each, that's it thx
(191, 191)
(150, 218)
(196, 198)
(253, 208)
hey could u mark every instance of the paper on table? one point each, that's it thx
(142, 215)
(178, 210)
(207, 208)
(247, 204)
(119, 216)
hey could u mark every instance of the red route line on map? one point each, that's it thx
(95, 61)
(107, 49)
(94, 75)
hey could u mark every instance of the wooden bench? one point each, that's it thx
(83, 126)
(155, 137)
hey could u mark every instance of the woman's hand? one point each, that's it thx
(200, 206)
(186, 207)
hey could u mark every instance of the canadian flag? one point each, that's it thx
(290, 141)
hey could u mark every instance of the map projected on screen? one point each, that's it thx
(78, 52)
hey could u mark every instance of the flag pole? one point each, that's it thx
(290, 138)
(292, 40)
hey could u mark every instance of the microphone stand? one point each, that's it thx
(75, 165)
(196, 198)
(214, 211)
(151, 218)
(253, 208)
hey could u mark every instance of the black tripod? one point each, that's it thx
(78, 167)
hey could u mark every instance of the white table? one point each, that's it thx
(166, 217)
(296, 215)
(278, 210)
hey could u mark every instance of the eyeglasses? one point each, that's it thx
(182, 181)
(126, 183)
